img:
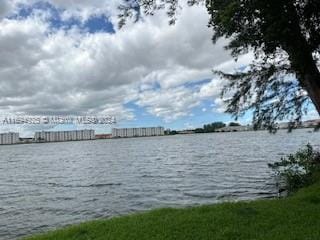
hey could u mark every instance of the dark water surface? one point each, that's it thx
(44, 186)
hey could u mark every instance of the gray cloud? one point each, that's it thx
(5, 8)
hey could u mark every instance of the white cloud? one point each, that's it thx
(46, 71)
(169, 104)
(231, 65)
(219, 105)
(211, 89)
(84, 10)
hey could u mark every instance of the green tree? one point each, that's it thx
(213, 126)
(199, 130)
(285, 38)
(234, 124)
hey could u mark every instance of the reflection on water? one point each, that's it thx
(44, 186)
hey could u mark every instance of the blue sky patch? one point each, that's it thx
(98, 23)
(196, 84)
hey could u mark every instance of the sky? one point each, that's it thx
(65, 57)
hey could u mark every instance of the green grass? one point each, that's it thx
(295, 217)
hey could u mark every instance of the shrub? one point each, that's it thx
(300, 169)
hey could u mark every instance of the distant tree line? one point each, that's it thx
(212, 127)
(234, 124)
(207, 128)
(170, 132)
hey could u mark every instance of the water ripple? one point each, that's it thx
(46, 186)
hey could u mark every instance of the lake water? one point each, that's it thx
(45, 186)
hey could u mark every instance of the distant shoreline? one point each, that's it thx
(31, 141)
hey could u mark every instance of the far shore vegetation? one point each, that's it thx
(238, 127)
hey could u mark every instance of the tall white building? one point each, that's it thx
(9, 138)
(62, 136)
(137, 132)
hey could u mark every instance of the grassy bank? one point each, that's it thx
(295, 217)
